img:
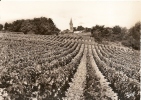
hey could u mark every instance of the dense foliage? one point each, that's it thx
(130, 38)
(133, 37)
(44, 26)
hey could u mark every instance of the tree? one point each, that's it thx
(28, 27)
(74, 29)
(106, 32)
(97, 28)
(96, 32)
(16, 25)
(116, 29)
(132, 37)
(80, 28)
(1, 27)
(6, 26)
(134, 32)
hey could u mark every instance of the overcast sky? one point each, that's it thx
(85, 13)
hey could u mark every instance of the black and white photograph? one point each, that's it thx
(70, 49)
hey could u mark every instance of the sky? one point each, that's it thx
(86, 13)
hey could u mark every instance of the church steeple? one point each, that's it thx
(71, 22)
(71, 25)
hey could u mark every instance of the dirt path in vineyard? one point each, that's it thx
(75, 91)
(78, 84)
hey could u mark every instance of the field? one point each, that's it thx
(66, 67)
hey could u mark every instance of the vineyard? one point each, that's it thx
(49, 67)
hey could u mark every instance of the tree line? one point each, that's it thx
(128, 37)
(78, 28)
(42, 25)
(81, 28)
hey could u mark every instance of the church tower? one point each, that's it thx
(71, 26)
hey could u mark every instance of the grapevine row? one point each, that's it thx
(127, 88)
